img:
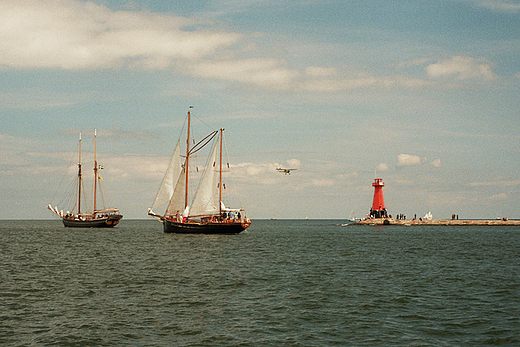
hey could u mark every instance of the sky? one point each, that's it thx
(423, 94)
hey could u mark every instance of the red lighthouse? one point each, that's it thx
(378, 209)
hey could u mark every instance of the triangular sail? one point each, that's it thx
(207, 196)
(177, 199)
(170, 177)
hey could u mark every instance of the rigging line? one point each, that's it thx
(65, 175)
(105, 198)
(71, 195)
(104, 205)
(85, 198)
(200, 120)
(194, 116)
(232, 187)
(208, 165)
(105, 202)
(202, 143)
(183, 126)
(71, 200)
(233, 190)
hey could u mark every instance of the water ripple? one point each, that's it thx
(293, 283)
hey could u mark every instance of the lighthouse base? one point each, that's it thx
(378, 213)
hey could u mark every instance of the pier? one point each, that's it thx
(379, 215)
(447, 222)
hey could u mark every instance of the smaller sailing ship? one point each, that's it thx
(98, 218)
(207, 213)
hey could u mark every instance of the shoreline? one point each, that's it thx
(445, 222)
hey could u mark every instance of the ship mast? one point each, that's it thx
(220, 175)
(79, 177)
(186, 165)
(95, 170)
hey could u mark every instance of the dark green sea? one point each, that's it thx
(280, 283)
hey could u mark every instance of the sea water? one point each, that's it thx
(280, 283)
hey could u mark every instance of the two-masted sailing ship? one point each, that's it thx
(206, 213)
(97, 218)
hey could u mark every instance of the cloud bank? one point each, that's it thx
(71, 34)
(79, 35)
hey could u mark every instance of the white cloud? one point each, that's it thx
(462, 68)
(499, 182)
(19, 156)
(322, 182)
(342, 83)
(436, 163)
(407, 160)
(75, 35)
(500, 196)
(262, 174)
(403, 182)
(71, 34)
(382, 167)
(260, 72)
(252, 169)
(317, 71)
(136, 167)
(334, 80)
(262, 169)
(294, 163)
(415, 62)
(509, 6)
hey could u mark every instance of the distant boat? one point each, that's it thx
(207, 213)
(428, 216)
(97, 218)
(352, 217)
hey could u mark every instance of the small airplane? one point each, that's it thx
(285, 171)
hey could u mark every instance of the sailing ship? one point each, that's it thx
(98, 218)
(207, 213)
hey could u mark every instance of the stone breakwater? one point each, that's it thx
(457, 222)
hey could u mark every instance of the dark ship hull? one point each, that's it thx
(205, 228)
(102, 222)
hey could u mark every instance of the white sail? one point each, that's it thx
(177, 199)
(170, 177)
(206, 198)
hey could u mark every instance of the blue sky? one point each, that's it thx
(423, 93)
